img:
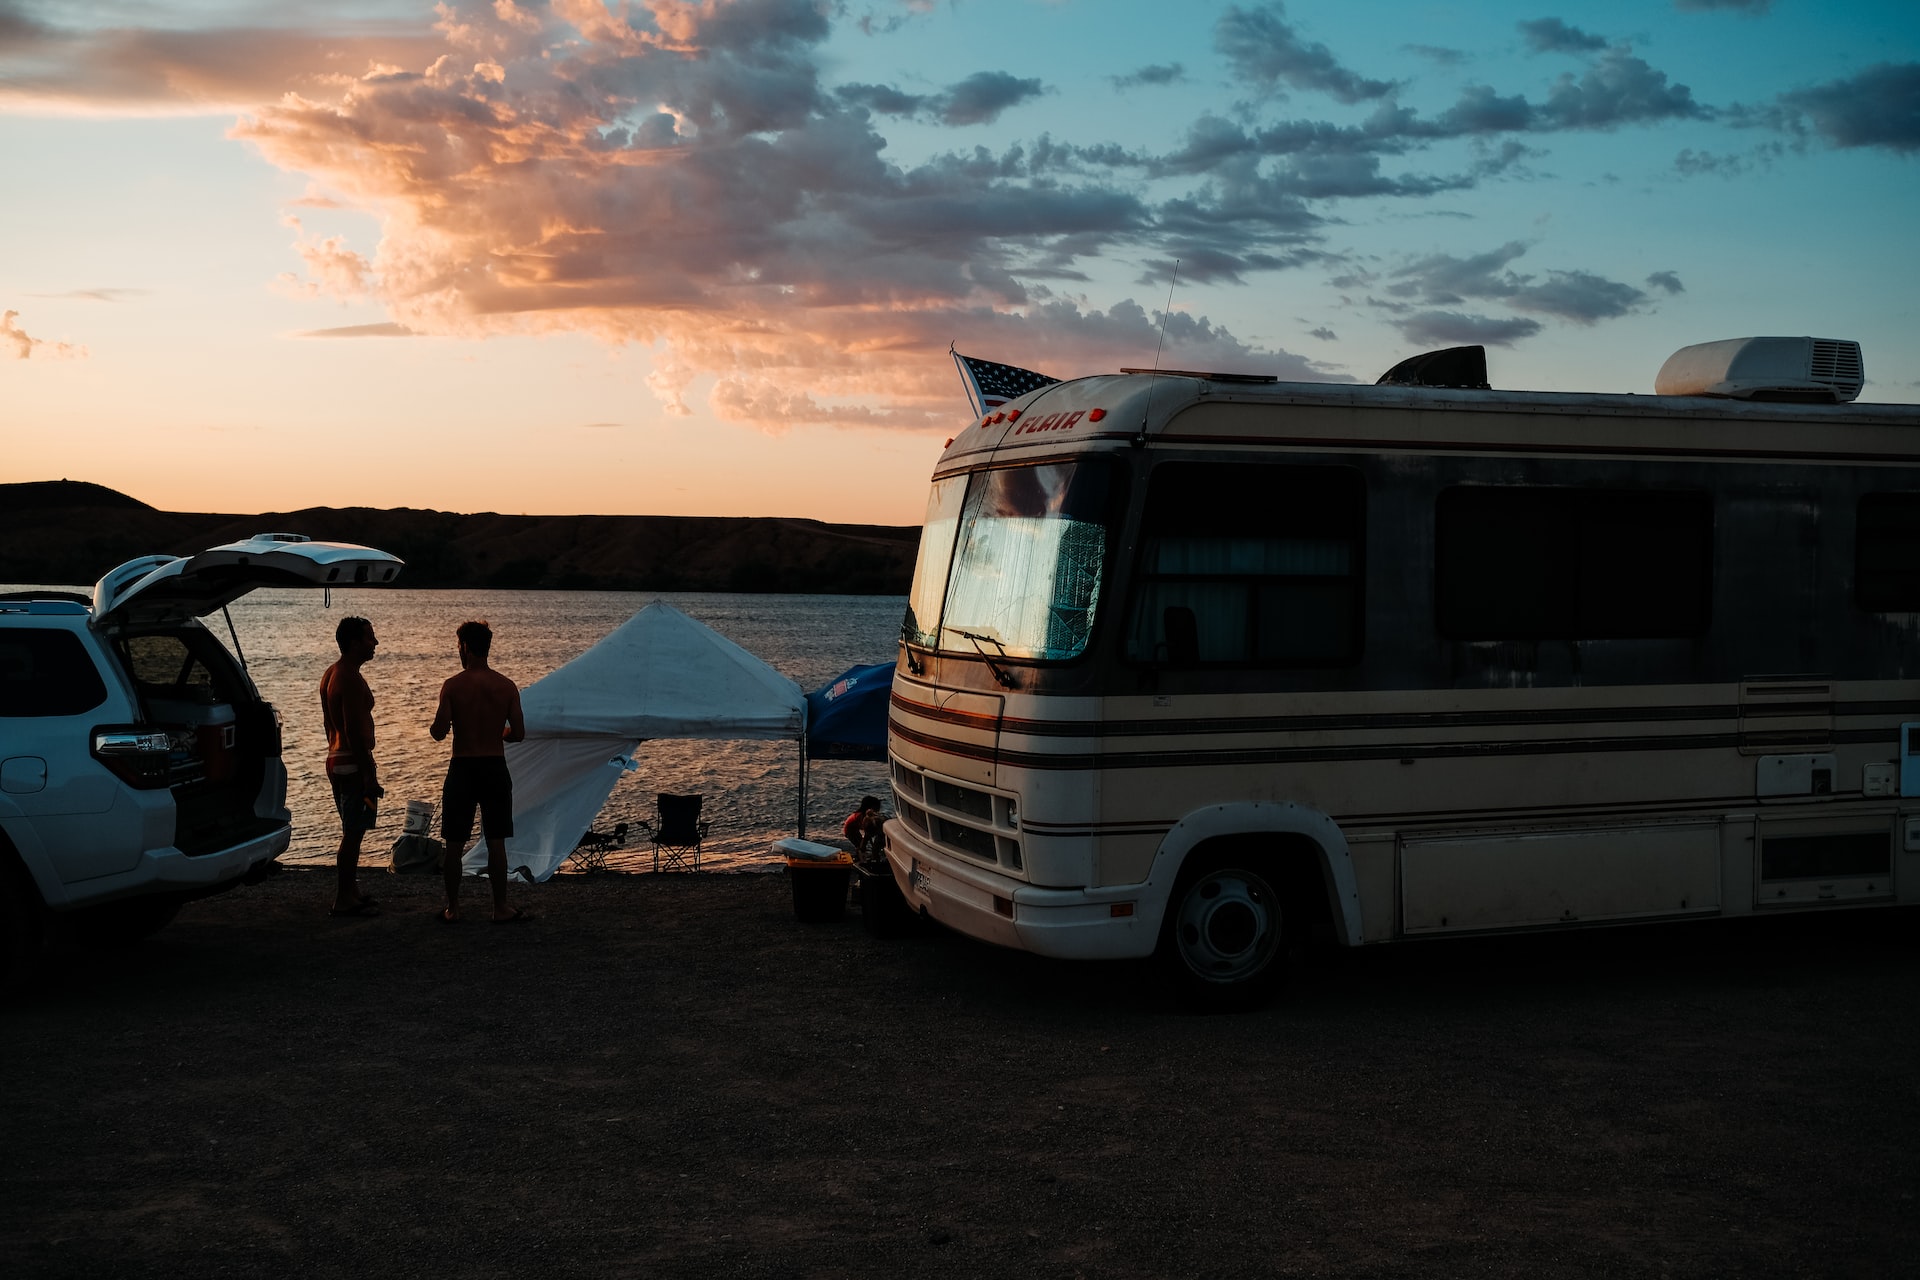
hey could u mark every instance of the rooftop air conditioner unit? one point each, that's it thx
(1823, 370)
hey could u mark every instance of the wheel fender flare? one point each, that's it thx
(1259, 817)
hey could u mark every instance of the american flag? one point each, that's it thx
(991, 385)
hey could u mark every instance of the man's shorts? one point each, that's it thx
(357, 809)
(481, 781)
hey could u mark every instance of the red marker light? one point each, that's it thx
(948, 444)
(1096, 415)
(1013, 415)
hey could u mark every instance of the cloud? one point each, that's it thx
(1324, 334)
(1453, 329)
(1578, 296)
(385, 329)
(979, 99)
(1157, 74)
(883, 98)
(1879, 107)
(687, 174)
(1437, 54)
(1617, 89)
(112, 67)
(1551, 35)
(333, 269)
(23, 345)
(96, 295)
(1444, 280)
(1666, 280)
(982, 96)
(1264, 52)
(1751, 8)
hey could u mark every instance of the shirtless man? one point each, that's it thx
(482, 708)
(346, 708)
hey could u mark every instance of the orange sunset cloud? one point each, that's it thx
(676, 174)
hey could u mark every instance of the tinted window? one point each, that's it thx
(188, 665)
(1251, 564)
(1572, 564)
(46, 673)
(1886, 553)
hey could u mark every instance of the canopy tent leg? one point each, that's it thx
(800, 819)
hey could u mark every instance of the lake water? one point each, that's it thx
(751, 788)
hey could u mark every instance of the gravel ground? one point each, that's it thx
(668, 1075)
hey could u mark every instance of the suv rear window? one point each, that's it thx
(44, 672)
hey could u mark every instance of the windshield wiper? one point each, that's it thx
(909, 636)
(1006, 681)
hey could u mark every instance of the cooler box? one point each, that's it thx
(211, 726)
(820, 875)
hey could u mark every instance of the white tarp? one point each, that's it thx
(660, 674)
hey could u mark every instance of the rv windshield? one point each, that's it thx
(1027, 546)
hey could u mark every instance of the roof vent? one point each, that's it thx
(1464, 367)
(1817, 370)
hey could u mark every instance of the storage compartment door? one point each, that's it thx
(1463, 883)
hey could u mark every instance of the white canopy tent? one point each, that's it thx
(659, 674)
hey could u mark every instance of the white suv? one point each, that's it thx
(139, 766)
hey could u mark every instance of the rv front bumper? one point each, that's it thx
(1107, 923)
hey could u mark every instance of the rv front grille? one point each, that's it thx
(975, 804)
(973, 843)
(963, 820)
(906, 781)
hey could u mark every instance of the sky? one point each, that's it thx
(708, 257)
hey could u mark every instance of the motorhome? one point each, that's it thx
(1208, 665)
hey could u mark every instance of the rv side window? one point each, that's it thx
(1572, 564)
(1886, 553)
(1251, 564)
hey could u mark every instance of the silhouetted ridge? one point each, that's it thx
(34, 494)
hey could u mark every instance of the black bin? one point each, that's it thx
(819, 888)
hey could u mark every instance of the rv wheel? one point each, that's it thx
(1222, 939)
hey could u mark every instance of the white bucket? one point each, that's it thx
(419, 818)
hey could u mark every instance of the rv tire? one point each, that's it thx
(1224, 940)
(883, 908)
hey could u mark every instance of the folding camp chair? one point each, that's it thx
(591, 852)
(677, 833)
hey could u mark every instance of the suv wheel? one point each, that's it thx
(22, 924)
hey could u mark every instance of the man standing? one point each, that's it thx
(346, 708)
(482, 708)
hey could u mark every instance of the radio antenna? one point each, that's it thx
(1158, 348)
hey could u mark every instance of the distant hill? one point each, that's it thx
(64, 531)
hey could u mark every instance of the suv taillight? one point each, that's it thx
(135, 755)
(273, 730)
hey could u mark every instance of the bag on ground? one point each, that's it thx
(416, 855)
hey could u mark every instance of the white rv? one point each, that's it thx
(1208, 665)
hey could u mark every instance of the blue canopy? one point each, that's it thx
(847, 719)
